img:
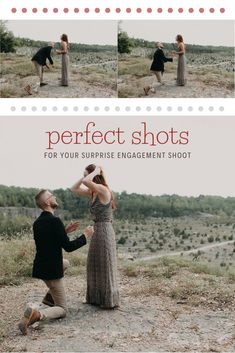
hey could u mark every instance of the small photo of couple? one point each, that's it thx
(40, 61)
(159, 59)
(58, 59)
(176, 59)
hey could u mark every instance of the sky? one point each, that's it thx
(86, 32)
(194, 32)
(209, 171)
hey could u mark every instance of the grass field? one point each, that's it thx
(200, 239)
(176, 277)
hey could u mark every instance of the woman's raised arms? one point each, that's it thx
(78, 190)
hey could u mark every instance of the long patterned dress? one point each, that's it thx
(181, 70)
(102, 287)
(65, 69)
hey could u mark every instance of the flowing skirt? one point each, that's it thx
(181, 71)
(65, 70)
(102, 287)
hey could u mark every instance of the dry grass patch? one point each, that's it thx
(138, 67)
(99, 76)
(8, 92)
(194, 283)
(22, 69)
(17, 257)
(16, 260)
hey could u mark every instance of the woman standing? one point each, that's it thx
(65, 59)
(102, 287)
(181, 69)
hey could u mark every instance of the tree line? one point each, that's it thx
(9, 43)
(129, 206)
(126, 44)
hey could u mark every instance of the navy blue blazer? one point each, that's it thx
(50, 238)
(42, 55)
(158, 61)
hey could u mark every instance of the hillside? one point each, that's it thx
(166, 305)
(176, 277)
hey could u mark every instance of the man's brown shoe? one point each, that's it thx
(30, 317)
(48, 300)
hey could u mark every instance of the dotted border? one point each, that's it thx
(127, 108)
(118, 10)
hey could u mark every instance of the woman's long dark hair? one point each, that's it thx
(64, 38)
(100, 179)
(179, 38)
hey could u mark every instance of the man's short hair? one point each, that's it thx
(38, 198)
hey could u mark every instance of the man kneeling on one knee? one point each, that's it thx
(51, 237)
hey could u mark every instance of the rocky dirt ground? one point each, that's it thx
(78, 88)
(131, 86)
(144, 322)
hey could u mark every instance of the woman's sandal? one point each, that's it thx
(108, 307)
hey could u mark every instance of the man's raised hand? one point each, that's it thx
(72, 227)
